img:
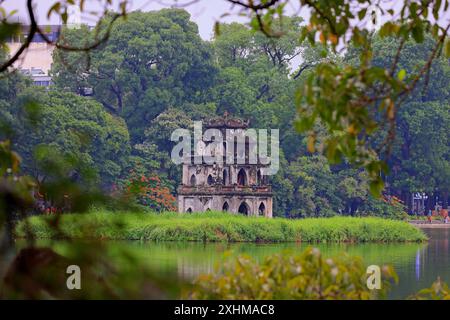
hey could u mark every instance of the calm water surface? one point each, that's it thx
(418, 265)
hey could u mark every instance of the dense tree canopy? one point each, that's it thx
(71, 126)
(157, 75)
(365, 84)
(420, 154)
(151, 62)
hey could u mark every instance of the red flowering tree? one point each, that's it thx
(150, 191)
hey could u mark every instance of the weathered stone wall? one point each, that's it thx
(201, 173)
(190, 203)
(237, 188)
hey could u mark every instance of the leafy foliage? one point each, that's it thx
(151, 62)
(108, 273)
(70, 127)
(150, 192)
(355, 100)
(438, 291)
(250, 76)
(290, 276)
(371, 101)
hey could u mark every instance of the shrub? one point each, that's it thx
(438, 291)
(285, 276)
(150, 192)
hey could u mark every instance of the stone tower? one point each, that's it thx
(237, 187)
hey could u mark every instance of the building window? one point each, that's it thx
(210, 180)
(243, 208)
(225, 177)
(262, 209)
(260, 178)
(225, 207)
(242, 178)
(193, 180)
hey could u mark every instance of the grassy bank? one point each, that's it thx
(218, 227)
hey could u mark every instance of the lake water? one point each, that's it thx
(418, 265)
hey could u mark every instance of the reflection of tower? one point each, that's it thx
(187, 269)
(74, 19)
(418, 264)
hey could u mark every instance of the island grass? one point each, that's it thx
(216, 227)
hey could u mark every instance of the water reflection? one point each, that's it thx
(417, 264)
(431, 261)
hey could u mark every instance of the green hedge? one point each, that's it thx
(216, 226)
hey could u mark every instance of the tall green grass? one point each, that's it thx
(216, 226)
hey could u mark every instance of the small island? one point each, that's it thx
(218, 227)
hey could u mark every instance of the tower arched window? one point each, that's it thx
(244, 208)
(225, 207)
(210, 180)
(193, 180)
(262, 209)
(225, 177)
(242, 178)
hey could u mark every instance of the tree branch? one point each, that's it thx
(252, 6)
(303, 68)
(26, 44)
(35, 29)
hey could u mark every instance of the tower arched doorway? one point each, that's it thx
(244, 208)
(210, 180)
(189, 210)
(262, 209)
(193, 180)
(225, 207)
(242, 178)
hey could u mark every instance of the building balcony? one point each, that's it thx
(233, 160)
(265, 190)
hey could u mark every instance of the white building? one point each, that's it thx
(37, 59)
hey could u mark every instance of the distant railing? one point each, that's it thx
(236, 159)
(224, 188)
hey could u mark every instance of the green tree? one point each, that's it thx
(314, 187)
(419, 160)
(152, 156)
(254, 80)
(152, 61)
(73, 126)
(356, 101)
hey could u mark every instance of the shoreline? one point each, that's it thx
(425, 225)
